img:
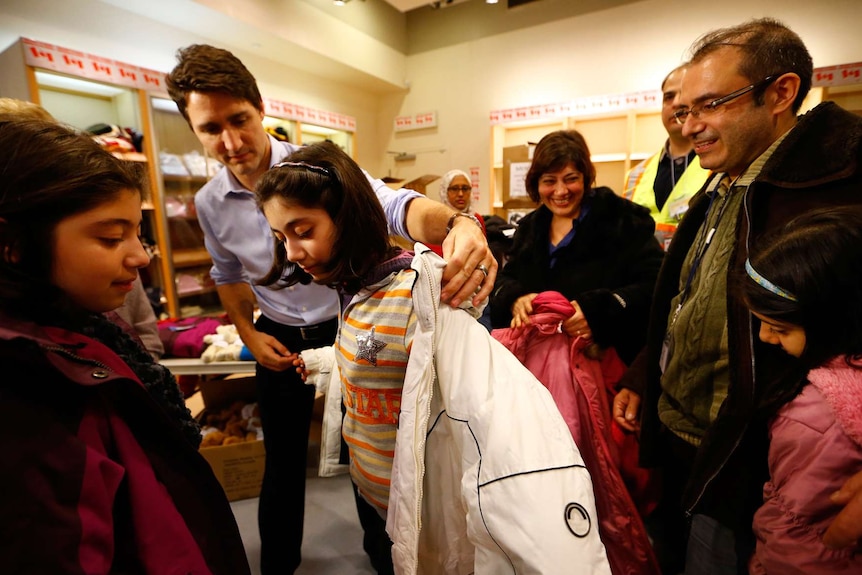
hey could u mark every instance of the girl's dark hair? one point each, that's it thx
(817, 257)
(322, 175)
(554, 152)
(48, 172)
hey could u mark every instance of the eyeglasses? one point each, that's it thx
(462, 189)
(709, 108)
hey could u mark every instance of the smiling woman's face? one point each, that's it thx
(97, 253)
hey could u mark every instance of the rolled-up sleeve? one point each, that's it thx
(394, 204)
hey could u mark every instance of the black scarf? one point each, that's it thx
(157, 379)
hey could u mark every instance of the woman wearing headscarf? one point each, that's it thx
(456, 191)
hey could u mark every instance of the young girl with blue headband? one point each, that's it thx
(803, 285)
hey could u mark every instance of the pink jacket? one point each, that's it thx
(581, 388)
(815, 445)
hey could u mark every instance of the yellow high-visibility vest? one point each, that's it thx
(639, 189)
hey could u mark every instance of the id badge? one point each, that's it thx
(666, 351)
(678, 208)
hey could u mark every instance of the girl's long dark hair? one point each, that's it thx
(816, 257)
(322, 175)
(48, 172)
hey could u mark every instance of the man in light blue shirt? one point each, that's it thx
(220, 99)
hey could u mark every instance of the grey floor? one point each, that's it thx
(332, 543)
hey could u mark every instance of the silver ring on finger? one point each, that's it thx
(482, 268)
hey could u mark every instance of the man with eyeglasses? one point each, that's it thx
(666, 181)
(700, 390)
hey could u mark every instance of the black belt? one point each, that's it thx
(316, 331)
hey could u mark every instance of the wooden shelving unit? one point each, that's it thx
(617, 140)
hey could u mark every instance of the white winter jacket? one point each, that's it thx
(486, 477)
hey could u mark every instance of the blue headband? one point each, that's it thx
(766, 284)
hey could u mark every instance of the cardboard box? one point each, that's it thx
(239, 466)
(420, 183)
(516, 162)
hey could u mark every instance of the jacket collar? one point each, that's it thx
(822, 148)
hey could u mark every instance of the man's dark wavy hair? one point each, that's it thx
(207, 69)
(768, 47)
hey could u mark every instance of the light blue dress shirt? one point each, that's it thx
(241, 243)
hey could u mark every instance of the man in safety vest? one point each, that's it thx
(666, 181)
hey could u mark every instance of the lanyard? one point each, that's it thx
(703, 244)
(673, 169)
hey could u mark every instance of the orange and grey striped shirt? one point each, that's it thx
(372, 350)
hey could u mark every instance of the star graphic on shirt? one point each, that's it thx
(368, 347)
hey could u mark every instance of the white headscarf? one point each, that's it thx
(444, 188)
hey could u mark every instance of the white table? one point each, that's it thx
(189, 366)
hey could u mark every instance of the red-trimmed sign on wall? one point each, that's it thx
(50, 57)
(74, 63)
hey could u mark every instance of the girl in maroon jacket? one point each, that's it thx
(803, 285)
(101, 472)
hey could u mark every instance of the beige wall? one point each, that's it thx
(619, 50)
(623, 49)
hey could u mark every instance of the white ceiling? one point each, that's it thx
(405, 5)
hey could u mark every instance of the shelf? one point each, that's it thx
(187, 258)
(201, 291)
(131, 156)
(170, 178)
(189, 366)
(616, 139)
(601, 158)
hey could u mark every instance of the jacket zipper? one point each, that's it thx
(420, 477)
(69, 355)
(689, 510)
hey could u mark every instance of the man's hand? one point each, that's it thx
(269, 352)
(467, 254)
(626, 407)
(846, 529)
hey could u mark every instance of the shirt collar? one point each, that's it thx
(753, 170)
(276, 154)
(665, 152)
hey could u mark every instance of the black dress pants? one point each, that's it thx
(668, 525)
(285, 404)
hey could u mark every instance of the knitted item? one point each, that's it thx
(157, 379)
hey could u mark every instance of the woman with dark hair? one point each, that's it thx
(802, 284)
(102, 472)
(572, 304)
(592, 246)
(450, 438)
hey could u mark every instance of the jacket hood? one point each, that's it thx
(841, 386)
(15, 328)
(835, 156)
